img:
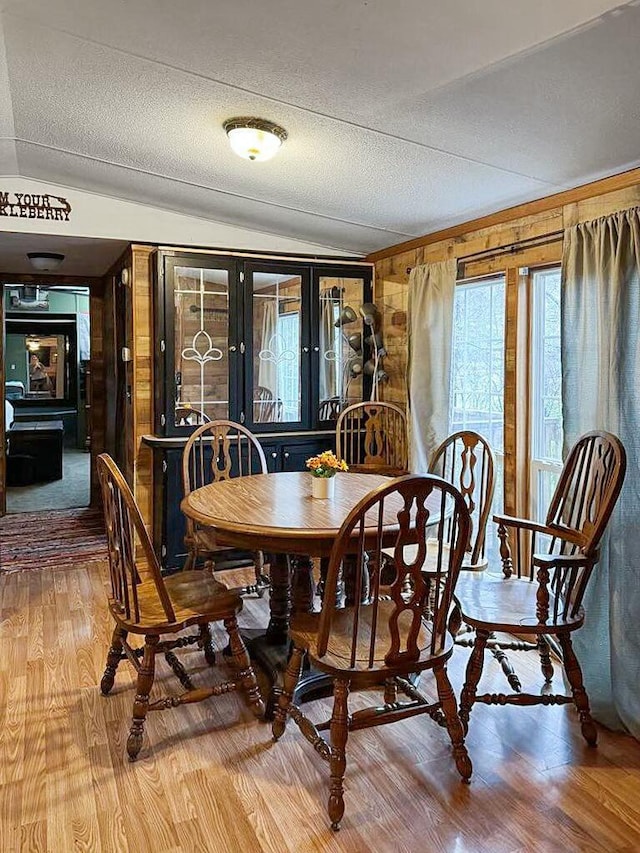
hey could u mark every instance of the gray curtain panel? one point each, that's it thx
(601, 390)
(430, 322)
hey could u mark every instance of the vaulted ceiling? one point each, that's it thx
(403, 117)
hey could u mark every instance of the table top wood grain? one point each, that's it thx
(275, 512)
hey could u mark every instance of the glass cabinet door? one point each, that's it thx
(200, 310)
(343, 347)
(277, 377)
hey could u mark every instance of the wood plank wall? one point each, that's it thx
(502, 229)
(133, 414)
(96, 388)
(544, 221)
(142, 349)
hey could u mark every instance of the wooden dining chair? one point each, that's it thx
(329, 409)
(546, 571)
(142, 602)
(465, 459)
(372, 438)
(188, 416)
(382, 638)
(216, 451)
(266, 409)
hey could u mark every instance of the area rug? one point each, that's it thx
(38, 540)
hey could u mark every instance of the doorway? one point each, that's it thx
(56, 352)
(47, 357)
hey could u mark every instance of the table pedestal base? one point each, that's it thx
(271, 660)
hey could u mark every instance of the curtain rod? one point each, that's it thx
(510, 249)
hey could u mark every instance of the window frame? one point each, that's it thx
(538, 463)
(517, 266)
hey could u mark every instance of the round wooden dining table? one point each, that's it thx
(275, 513)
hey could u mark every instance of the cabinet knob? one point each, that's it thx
(233, 348)
(305, 349)
(316, 349)
(286, 455)
(274, 455)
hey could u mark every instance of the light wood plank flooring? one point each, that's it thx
(210, 779)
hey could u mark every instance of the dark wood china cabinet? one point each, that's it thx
(275, 344)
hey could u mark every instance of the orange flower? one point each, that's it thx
(326, 464)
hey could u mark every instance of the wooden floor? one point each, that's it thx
(210, 779)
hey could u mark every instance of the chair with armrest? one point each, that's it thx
(142, 602)
(216, 451)
(544, 598)
(372, 438)
(382, 638)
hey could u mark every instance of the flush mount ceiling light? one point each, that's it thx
(45, 261)
(254, 138)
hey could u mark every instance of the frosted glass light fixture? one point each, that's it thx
(254, 138)
(45, 261)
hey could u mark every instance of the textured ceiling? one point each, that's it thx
(82, 255)
(403, 117)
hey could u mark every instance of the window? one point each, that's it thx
(477, 363)
(477, 373)
(546, 387)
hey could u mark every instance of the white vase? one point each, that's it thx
(322, 488)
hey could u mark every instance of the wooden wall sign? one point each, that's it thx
(34, 206)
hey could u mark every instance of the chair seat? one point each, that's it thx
(304, 629)
(495, 603)
(195, 595)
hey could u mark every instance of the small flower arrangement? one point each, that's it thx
(326, 464)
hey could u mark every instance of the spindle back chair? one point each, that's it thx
(545, 578)
(329, 409)
(372, 437)
(216, 451)
(141, 601)
(188, 416)
(465, 459)
(382, 638)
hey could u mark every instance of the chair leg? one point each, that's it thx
(580, 698)
(339, 731)
(146, 675)
(472, 677)
(390, 691)
(454, 726)
(262, 580)
(290, 681)
(241, 661)
(190, 562)
(545, 658)
(206, 644)
(114, 656)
